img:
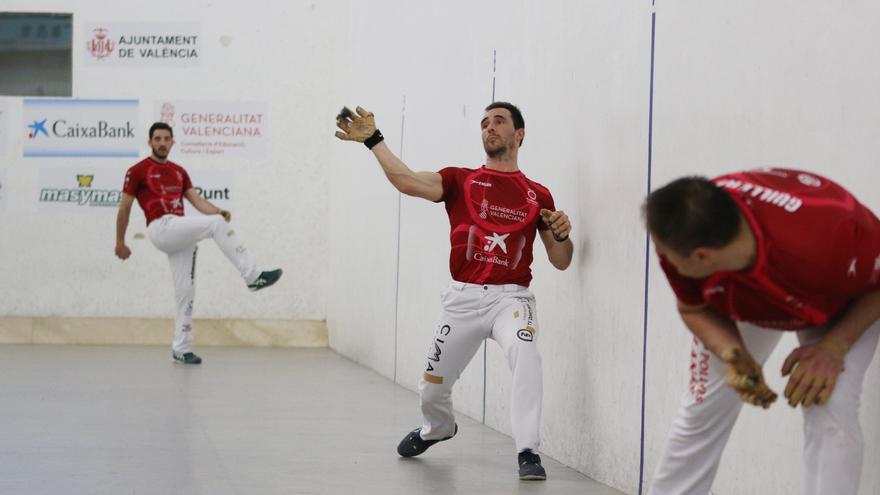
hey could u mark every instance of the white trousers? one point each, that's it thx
(833, 445)
(471, 314)
(178, 238)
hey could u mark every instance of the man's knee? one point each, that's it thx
(524, 352)
(218, 224)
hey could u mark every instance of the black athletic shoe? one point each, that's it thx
(413, 444)
(530, 467)
(265, 280)
(186, 358)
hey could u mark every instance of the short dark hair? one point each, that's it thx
(518, 121)
(160, 125)
(691, 212)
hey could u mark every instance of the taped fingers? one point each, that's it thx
(798, 393)
(812, 394)
(742, 372)
(761, 396)
(826, 392)
(790, 361)
(739, 381)
(343, 122)
(809, 392)
(546, 214)
(794, 383)
(557, 221)
(359, 126)
(744, 375)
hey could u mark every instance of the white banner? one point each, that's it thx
(147, 44)
(216, 128)
(85, 189)
(4, 129)
(217, 186)
(3, 188)
(62, 127)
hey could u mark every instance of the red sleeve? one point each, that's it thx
(133, 180)
(687, 290)
(448, 176)
(855, 257)
(187, 183)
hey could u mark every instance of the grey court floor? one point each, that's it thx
(126, 420)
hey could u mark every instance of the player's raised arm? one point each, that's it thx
(360, 126)
(204, 206)
(122, 218)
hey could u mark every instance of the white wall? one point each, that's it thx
(736, 86)
(255, 51)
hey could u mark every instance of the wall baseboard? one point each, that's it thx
(147, 331)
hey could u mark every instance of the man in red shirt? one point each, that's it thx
(160, 187)
(495, 213)
(748, 254)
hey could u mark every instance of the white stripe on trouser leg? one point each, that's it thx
(183, 274)
(516, 330)
(708, 412)
(833, 442)
(172, 233)
(457, 339)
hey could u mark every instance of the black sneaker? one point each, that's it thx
(530, 467)
(413, 444)
(186, 357)
(265, 280)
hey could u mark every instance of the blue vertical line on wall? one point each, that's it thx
(647, 254)
(397, 273)
(485, 343)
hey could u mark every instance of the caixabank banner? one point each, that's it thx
(142, 44)
(78, 128)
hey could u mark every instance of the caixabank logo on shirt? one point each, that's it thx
(62, 189)
(76, 128)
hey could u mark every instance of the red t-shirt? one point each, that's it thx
(818, 249)
(494, 217)
(158, 187)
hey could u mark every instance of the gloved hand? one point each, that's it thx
(746, 377)
(558, 222)
(358, 126)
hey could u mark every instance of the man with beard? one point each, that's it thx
(160, 187)
(495, 213)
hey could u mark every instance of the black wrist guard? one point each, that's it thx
(375, 139)
(560, 239)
